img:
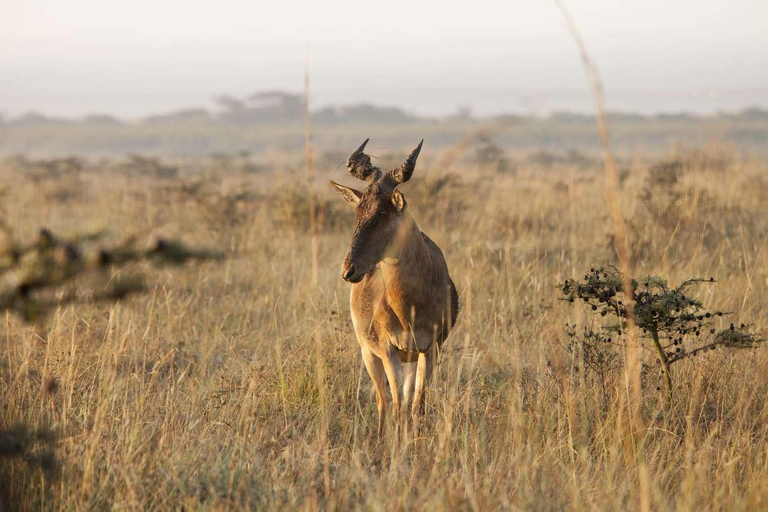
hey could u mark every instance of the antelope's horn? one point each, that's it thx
(359, 165)
(405, 171)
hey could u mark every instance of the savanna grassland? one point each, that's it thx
(239, 383)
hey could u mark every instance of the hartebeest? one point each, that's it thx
(403, 301)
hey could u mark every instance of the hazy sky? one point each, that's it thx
(148, 56)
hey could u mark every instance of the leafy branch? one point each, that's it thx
(675, 322)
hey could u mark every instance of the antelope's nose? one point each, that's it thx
(351, 271)
(348, 273)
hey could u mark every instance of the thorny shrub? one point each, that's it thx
(671, 319)
(675, 213)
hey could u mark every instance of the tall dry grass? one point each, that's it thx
(240, 385)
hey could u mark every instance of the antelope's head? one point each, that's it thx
(379, 211)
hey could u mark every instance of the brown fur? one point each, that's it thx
(403, 301)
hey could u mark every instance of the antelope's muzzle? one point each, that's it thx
(352, 272)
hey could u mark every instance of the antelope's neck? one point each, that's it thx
(407, 271)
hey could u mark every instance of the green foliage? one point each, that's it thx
(677, 323)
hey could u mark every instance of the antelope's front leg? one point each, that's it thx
(376, 371)
(393, 369)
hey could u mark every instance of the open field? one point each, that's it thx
(239, 384)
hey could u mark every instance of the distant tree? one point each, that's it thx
(754, 113)
(463, 113)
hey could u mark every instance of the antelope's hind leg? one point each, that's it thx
(376, 370)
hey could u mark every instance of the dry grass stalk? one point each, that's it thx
(310, 173)
(634, 357)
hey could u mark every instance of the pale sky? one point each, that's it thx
(135, 58)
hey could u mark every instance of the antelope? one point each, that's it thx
(403, 301)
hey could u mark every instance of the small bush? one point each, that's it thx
(671, 318)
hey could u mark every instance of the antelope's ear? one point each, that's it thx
(350, 195)
(398, 199)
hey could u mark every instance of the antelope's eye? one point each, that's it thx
(383, 213)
